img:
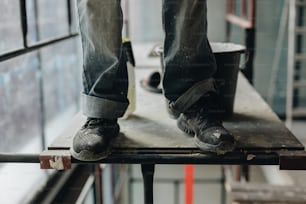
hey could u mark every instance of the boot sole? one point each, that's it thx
(86, 155)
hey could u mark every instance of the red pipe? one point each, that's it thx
(189, 178)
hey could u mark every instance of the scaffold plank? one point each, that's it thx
(150, 135)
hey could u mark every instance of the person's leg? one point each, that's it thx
(189, 68)
(105, 78)
(187, 54)
(104, 71)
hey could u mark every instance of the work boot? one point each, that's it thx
(202, 120)
(93, 141)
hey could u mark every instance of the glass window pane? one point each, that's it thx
(52, 18)
(20, 105)
(20, 182)
(10, 29)
(61, 83)
(32, 35)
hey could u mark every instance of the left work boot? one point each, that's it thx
(208, 131)
(93, 141)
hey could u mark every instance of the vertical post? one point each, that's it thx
(98, 184)
(176, 191)
(252, 12)
(41, 82)
(298, 50)
(250, 42)
(250, 46)
(229, 10)
(243, 173)
(69, 15)
(231, 6)
(290, 61)
(189, 178)
(148, 175)
(223, 190)
(243, 9)
(130, 185)
(24, 21)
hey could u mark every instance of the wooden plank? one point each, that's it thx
(55, 159)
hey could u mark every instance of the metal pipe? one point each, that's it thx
(24, 21)
(290, 62)
(69, 15)
(243, 9)
(148, 176)
(19, 158)
(252, 11)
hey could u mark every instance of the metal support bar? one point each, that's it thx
(288, 160)
(242, 173)
(148, 175)
(243, 8)
(299, 51)
(19, 158)
(250, 45)
(98, 184)
(292, 160)
(24, 21)
(69, 15)
(290, 61)
(223, 189)
(16, 53)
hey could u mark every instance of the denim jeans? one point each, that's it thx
(188, 58)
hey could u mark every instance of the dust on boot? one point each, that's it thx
(93, 141)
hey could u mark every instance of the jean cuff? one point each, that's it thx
(192, 95)
(95, 107)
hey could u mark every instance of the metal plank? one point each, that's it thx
(253, 124)
(293, 160)
(150, 135)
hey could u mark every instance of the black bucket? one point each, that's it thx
(227, 57)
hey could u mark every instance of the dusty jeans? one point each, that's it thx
(188, 59)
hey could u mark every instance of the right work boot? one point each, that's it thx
(93, 141)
